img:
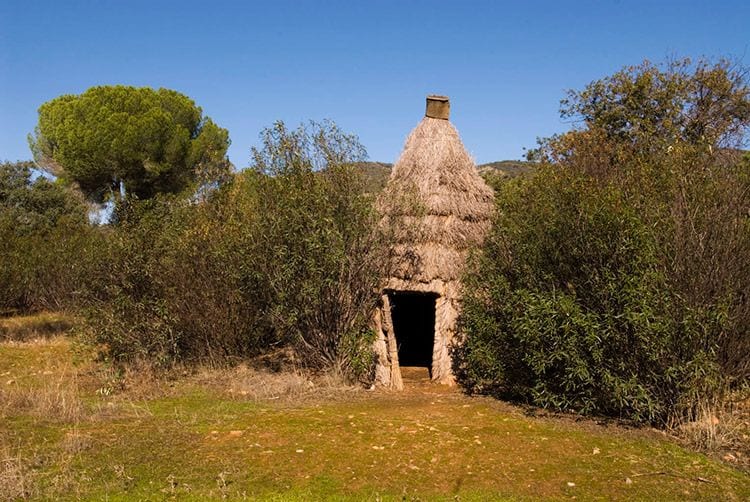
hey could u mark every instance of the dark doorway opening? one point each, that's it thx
(413, 316)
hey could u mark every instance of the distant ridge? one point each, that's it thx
(506, 168)
(377, 173)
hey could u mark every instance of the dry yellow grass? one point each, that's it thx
(239, 432)
(256, 385)
(17, 476)
(30, 327)
(721, 429)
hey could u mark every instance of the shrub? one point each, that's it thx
(579, 301)
(168, 286)
(284, 256)
(617, 279)
(317, 256)
(46, 243)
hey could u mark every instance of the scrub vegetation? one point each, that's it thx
(285, 256)
(227, 314)
(616, 279)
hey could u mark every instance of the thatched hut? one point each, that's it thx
(438, 207)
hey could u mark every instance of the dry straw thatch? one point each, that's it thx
(439, 208)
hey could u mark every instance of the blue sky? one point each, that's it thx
(365, 65)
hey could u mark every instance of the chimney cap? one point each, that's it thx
(438, 107)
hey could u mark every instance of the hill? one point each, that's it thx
(506, 168)
(377, 173)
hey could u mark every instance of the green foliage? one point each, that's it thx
(150, 141)
(283, 256)
(44, 240)
(318, 258)
(36, 204)
(616, 279)
(123, 303)
(170, 287)
(703, 104)
(569, 308)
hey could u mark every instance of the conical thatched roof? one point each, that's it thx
(437, 202)
(436, 206)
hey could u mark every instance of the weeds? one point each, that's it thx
(17, 477)
(55, 400)
(258, 385)
(720, 427)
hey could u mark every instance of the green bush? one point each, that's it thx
(569, 307)
(169, 284)
(46, 243)
(283, 256)
(317, 255)
(616, 280)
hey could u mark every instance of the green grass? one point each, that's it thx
(193, 441)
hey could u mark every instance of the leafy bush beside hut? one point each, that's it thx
(283, 256)
(616, 280)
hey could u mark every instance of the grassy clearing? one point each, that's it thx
(75, 432)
